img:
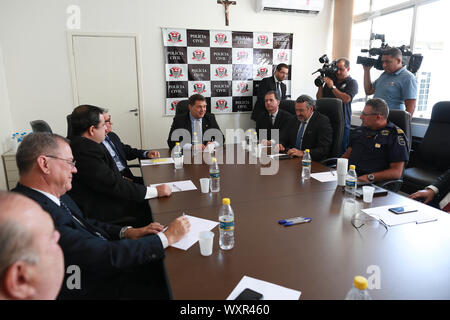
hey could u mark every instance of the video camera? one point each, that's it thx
(410, 60)
(328, 70)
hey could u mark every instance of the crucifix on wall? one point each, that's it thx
(227, 5)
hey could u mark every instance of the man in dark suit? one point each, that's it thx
(99, 189)
(273, 83)
(121, 152)
(273, 119)
(309, 130)
(195, 123)
(437, 194)
(107, 261)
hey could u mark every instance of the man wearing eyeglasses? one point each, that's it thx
(274, 83)
(122, 152)
(378, 148)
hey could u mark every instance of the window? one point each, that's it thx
(403, 25)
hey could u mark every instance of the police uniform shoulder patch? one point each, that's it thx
(400, 131)
(401, 141)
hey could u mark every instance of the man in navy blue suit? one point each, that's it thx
(121, 152)
(115, 262)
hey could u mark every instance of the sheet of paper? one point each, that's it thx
(197, 225)
(423, 214)
(178, 186)
(325, 176)
(154, 162)
(269, 290)
(276, 156)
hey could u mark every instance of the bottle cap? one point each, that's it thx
(306, 150)
(352, 167)
(360, 283)
(177, 143)
(213, 159)
(226, 201)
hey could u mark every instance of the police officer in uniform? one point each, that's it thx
(378, 148)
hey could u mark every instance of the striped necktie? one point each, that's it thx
(278, 90)
(298, 143)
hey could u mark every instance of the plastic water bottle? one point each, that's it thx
(177, 156)
(306, 165)
(195, 143)
(226, 220)
(214, 174)
(351, 183)
(254, 143)
(359, 290)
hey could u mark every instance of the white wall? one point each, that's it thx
(36, 61)
(6, 128)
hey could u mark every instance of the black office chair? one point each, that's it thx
(182, 107)
(432, 156)
(69, 126)
(40, 126)
(288, 105)
(333, 109)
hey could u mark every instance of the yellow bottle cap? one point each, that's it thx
(177, 143)
(306, 150)
(352, 167)
(213, 159)
(226, 201)
(360, 283)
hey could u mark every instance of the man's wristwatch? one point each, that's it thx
(122, 232)
(333, 87)
(371, 177)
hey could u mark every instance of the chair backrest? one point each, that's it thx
(40, 126)
(402, 119)
(288, 105)
(333, 109)
(435, 147)
(182, 107)
(69, 126)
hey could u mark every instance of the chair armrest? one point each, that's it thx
(392, 185)
(330, 162)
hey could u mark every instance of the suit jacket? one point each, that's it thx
(264, 121)
(317, 137)
(266, 85)
(105, 264)
(443, 184)
(100, 190)
(126, 153)
(183, 121)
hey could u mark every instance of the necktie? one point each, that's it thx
(65, 207)
(116, 156)
(298, 143)
(198, 129)
(278, 90)
(272, 116)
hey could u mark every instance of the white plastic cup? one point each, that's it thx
(204, 184)
(342, 166)
(206, 242)
(368, 193)
(341, 179)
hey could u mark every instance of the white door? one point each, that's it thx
(106, 75)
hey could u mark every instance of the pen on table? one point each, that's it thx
(291, 223)
(290, 220)
(173, 184)
(331, 171)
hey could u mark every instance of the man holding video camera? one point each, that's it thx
(396, 85)
(343, 87)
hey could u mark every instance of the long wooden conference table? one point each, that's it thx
(320, 258)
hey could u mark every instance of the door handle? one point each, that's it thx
(134, 110)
